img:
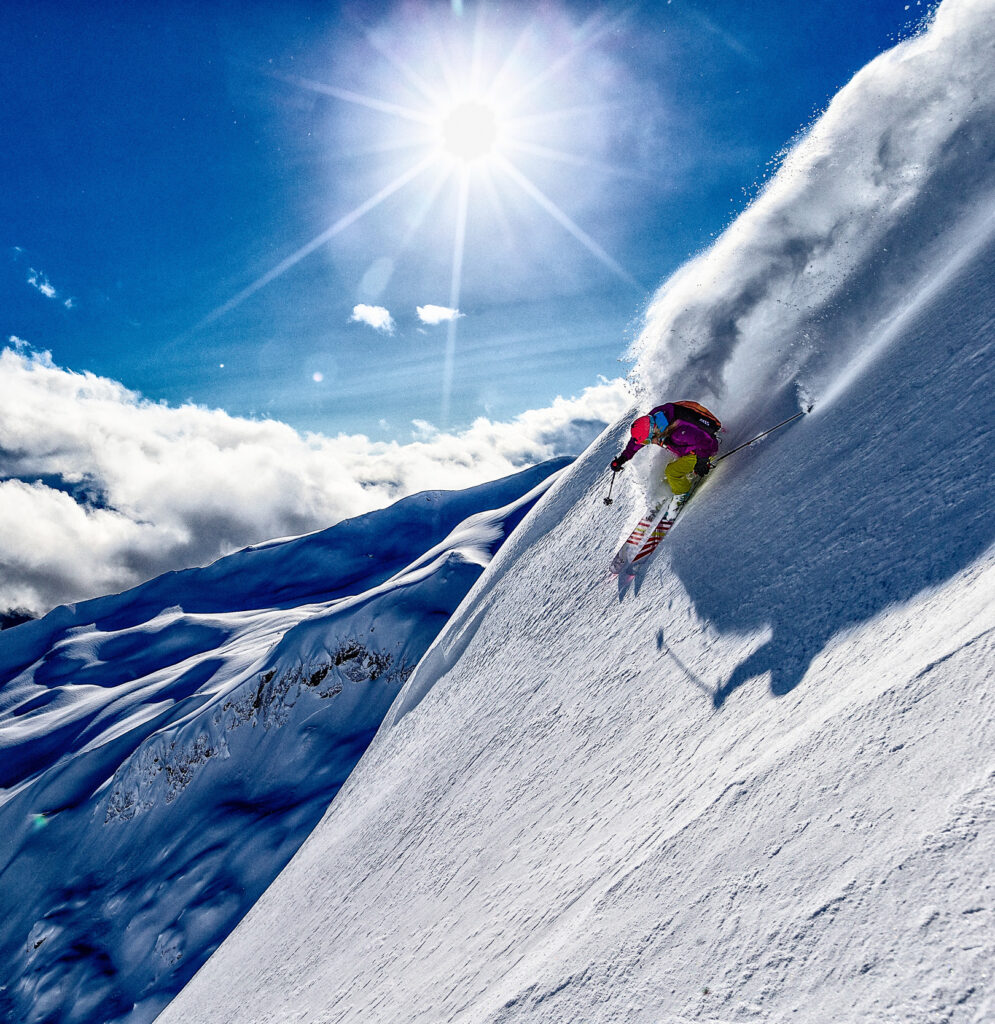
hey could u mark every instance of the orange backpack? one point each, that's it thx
(699, 415)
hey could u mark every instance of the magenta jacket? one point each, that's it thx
(686, 439)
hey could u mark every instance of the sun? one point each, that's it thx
(472, 111)
(470, 130)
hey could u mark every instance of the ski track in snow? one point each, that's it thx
(757, 783)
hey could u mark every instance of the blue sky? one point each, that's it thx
(163, 161)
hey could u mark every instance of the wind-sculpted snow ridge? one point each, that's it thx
(893, 183)
(758, 783)
(164, 752)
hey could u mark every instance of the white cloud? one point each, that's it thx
(375, 316)
(101, 489)
(422, 430)
(19, 343)
(437, 314)
(70, 303)
(40, 281)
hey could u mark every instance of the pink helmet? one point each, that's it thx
(640, 430)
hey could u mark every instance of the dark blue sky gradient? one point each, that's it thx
(156, 161)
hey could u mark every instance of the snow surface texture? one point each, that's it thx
(758, 783)
(163, 753)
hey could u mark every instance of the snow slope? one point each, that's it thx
(164, 752)
(758, 784)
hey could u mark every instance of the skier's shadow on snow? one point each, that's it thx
(880, 495)
(662, 645)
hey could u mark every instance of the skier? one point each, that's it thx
(688, 429)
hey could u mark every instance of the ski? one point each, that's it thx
(665, 524)
(651, 529)
(661, 531)
(634, 542)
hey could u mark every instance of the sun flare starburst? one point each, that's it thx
(474, 108)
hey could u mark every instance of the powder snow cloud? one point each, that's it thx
(825, 255)
(101, 489)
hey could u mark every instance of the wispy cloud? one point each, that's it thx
(437, 314)
(726, 38)
(40, 281)
(422, 430)
(375, 316)
(101, 489)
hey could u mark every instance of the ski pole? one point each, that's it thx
(770, 430)
(608, 500)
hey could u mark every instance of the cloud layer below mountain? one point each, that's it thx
(101, 488)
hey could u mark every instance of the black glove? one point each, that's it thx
(617, 466)
(702, 466)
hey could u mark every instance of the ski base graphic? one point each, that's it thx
(649, 531)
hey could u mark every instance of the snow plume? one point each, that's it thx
(101, 489)
(869, 206)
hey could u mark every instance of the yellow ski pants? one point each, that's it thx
(680, 473)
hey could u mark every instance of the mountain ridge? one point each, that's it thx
(163, 752)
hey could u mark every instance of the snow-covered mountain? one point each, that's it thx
(758, 784)
(164, 752)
